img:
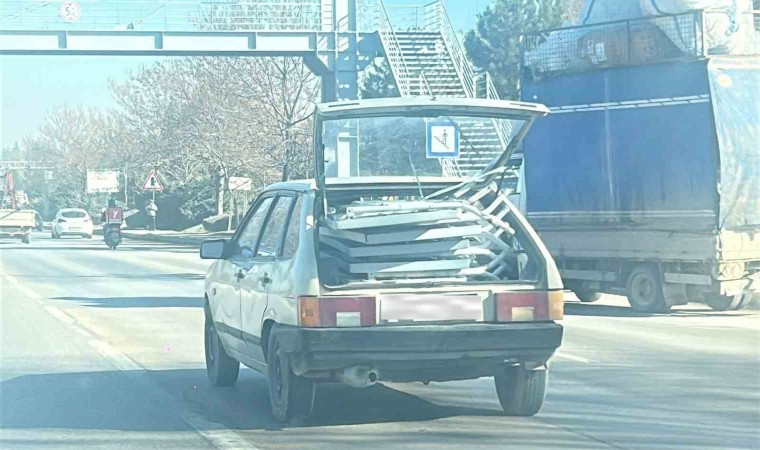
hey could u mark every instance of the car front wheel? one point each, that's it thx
(521, 392)
(290, 396)
(222, 370)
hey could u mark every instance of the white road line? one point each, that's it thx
(60, 315)
(572, 358)
(217, 434)
(24, 290)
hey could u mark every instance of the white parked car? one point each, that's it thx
(402, 261)
(72, 222)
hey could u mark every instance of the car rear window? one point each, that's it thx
(73, 214)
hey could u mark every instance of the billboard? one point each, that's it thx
(240, 184)
(102, 181)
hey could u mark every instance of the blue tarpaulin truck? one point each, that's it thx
(645, 179)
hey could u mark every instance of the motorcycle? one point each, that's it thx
(112, 235)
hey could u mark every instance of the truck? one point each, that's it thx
(645, 178)
(15, 221)
(17, 224)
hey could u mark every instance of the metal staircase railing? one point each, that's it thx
(379, 19)
(455, 48)
(503, 127)
(433, 17)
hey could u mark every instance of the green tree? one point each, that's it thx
(494, 45)
(378, 81)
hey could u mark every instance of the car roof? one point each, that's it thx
(293, 185)
(72, 210)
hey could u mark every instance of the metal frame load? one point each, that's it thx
(458, 237)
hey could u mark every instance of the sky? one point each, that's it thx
(31, 86)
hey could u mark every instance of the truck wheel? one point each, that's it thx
(222, 370)
(587, 296)
(521, 392)
(644, 289)
(26, 239)
(290, 396)
(728, 302)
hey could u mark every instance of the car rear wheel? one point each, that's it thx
(290, 396)
(53, 235)
(521, 391)
(26, 239)
(644, 290)
(222, 370)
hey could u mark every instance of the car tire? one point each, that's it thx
(644, 290)
(521, 392)
(26, 239)
(87, 236)
(53, 235)
(587, 296)
(291, 397)
(222, 370)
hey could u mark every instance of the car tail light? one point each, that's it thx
(86, 220)
(61, 221)
(315, 312)
(529, 306)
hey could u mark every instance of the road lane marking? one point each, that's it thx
(570, 357)
(117, 358)
(216, 434)
(20, 287)
(60, 315)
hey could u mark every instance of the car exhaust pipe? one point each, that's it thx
(358, 376)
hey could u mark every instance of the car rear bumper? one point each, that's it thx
(422, 352)
(78, 231)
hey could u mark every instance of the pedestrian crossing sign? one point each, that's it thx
(442, 140)
(152, 183)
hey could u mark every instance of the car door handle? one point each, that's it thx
(265, 279)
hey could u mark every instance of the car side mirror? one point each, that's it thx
(215, 249)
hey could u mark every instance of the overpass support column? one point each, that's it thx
(342, 80)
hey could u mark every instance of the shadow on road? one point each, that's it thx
(136, 302)
(103, 401)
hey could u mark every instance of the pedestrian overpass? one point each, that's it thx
(336, 39)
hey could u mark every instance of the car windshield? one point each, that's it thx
(404, 146)
(73, 214)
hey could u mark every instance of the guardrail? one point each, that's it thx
(690, 35)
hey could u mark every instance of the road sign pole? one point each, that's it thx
(126, 188)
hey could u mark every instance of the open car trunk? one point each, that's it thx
(394, 215)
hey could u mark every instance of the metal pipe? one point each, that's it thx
(358, 376)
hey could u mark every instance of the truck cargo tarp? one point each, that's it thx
(621, 149)
(735, 89)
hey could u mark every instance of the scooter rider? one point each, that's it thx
(112, 218)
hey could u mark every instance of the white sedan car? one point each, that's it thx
(72, 222)
(391, 265)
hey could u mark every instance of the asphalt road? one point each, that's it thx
(104, 349)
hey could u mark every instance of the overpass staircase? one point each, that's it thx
(427, 58)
